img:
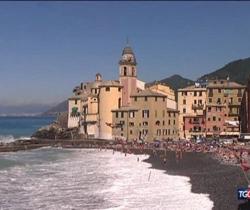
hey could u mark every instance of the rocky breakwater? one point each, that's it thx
(55, 131)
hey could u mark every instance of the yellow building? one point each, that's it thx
(223, 105)
(108, 109)
(147, 118)
(90, 108)
(167, 91)
(191, 103)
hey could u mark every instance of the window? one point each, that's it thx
(145, 113)
(208, 119)
(184, 101)
(199, 101)
(195, 101)
(144, 131)
(145, 123)
(119, 89)
(163, 122)
(131, 114)
(163, 98)
(131, 124)
(122, 114)
(214, 118)
(184, 110)
(218, 100)
(200, 93)
(219, 119)
(131, 132)
(116, 115)
(107, 89)
(210, 92)
(169, 122)
(174, 122)
(219, 90)
(146, 98)
(135, 98)
(195, 93)
(125, 71)
(119, 102)
(76, 101)
(133, 71)
(155, 98)
(210, 100)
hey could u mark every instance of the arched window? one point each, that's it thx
(125, 71)
(133, 71)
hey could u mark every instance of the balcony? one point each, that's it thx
(233, 114)
(197, 106)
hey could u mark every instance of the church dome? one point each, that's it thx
(127, 50)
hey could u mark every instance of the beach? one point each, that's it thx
(207, 176)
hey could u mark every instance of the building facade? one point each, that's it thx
(148, 118)
(192, 106)
(89, 109)
(210, 110)
(223, 106)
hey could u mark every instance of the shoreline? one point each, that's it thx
(207, 176)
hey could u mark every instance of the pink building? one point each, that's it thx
(194, 126)
(216, 116)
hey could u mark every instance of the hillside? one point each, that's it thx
(238, 71)
(62, 107)
(175, 82)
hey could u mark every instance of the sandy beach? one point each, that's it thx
(207, 175)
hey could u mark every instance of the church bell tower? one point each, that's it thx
(128, 74)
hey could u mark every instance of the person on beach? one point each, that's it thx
(177, 156)
(165, 160)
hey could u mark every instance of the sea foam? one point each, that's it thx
(91, 179)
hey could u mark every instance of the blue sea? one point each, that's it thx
(57, 178)
(12, 128)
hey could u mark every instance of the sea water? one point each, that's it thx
(12, 128)
(51, 178)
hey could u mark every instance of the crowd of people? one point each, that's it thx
(227, 154)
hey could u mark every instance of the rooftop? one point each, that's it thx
(148, 92)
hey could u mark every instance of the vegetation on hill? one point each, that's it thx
(238, 71)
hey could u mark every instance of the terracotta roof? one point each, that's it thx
(192, 87)
(107, 83)
(126, 108)
(226, 84)
(148, 92)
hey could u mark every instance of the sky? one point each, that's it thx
(47, 48)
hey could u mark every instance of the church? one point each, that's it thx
(124, 108)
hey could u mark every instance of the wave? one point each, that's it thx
(10, 138)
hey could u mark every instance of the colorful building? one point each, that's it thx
(192, 106)
(148, 118)
(223, 106)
